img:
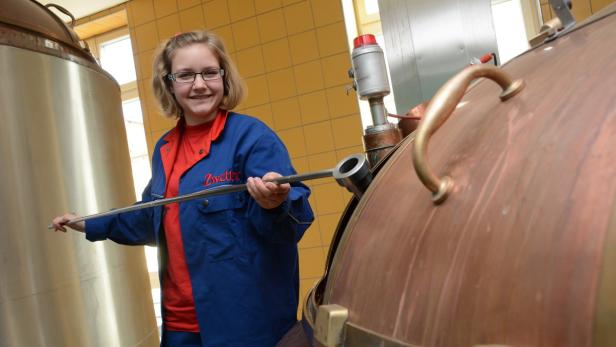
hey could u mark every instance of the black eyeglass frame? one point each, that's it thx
(173, 76)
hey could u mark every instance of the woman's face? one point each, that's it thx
(199, 99)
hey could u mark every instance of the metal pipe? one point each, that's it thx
(220, 190)
(378, 111)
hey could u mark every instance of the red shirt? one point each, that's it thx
(191, 144)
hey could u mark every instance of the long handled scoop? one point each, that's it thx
(349, 165)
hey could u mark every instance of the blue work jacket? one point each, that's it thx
(242, 259)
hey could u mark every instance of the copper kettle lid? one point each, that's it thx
(32, 16)
(28, 24)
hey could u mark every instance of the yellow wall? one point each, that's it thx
(294, 58)
(581, 9)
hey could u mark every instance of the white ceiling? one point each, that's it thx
(82, 8)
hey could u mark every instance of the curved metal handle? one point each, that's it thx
(63, 10)
(439, 110)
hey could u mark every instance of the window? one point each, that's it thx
(137, 146)
(362, 17)
(116, 57)
(510, 29)
(115, 54)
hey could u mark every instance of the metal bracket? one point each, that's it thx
(329, 325)
(562, 10)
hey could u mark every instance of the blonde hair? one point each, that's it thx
(233, 84)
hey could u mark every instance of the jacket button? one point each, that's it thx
(206, 203)
(201, 151)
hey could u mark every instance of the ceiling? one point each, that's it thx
(81, 8)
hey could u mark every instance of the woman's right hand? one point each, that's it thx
(60, 223)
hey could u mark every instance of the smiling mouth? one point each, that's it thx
(200, 96)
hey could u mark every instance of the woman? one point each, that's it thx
(229, 264)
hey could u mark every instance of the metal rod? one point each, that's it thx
(220, 190)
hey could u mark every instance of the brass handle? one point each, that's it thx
(63, 10)
(439, 110)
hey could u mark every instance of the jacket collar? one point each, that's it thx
(217, 128)
(168, 150)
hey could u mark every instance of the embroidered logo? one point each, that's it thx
(226, 177)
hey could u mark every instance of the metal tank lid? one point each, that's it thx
(30, 25)
(31, 15)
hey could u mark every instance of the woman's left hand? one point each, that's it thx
(267, 194)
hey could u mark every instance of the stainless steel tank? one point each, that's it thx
(428, 41)
(62, 148)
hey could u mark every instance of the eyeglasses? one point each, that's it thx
(189, 76)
